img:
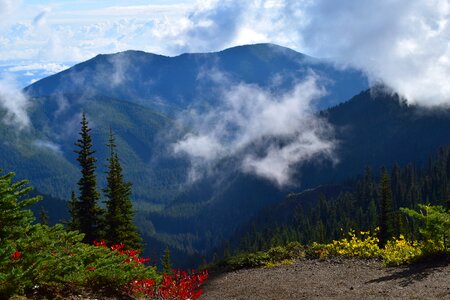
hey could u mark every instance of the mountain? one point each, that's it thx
(168, 84)
(372, 129)
(138, 95)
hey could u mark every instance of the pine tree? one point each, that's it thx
(87, 212)
(166, 263)
(372, 216)
(119, 215)
(386, 215)
(43, 217)
(74, 223)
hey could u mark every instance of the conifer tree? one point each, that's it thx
(166, 263)
(43, 217)
(119, 214)
(74, 223)
(15, 221)
(386, 215)
(87, 211)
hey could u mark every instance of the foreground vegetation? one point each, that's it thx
(434, 230)
(44, 260)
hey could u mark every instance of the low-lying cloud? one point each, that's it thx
(14, 103)
(268, 133)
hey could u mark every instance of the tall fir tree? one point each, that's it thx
(386, 214)
(119, 214)
(87, 212)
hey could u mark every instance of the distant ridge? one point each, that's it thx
(170, 83)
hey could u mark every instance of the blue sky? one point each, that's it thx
(69, 31)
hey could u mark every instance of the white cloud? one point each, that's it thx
(279, 127)
(401, 43)
(49, 68)
(7, 9)
(15, 103)
(49, 145)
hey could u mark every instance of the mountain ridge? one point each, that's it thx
(181, 81)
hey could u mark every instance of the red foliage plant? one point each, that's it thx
(180, 285)
(16, 255)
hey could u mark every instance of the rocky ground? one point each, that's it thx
(334, 279)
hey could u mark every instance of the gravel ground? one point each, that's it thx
(334, 279)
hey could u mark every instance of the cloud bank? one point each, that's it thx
(268, 133)
(403, 44)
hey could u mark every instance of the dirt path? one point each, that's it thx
(338, 279)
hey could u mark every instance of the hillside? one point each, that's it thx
(44, 154)
(366, 126)
(335, 279)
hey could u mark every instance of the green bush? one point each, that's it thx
(434, 227)
(273, 257)
(296, 250)
(278, 254)
(317, 250)
(248, 260)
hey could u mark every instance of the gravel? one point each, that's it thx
(334, 279)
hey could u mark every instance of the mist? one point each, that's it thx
(268, 133)
(15, 104)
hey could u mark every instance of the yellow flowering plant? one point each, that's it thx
(401, 251)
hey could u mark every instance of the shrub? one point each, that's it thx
(318, 250)
(275, 256)
(248, 260)
(434, 227)
(53, 258)
(400, 251)
(365, 246)
(295, 250)
(278, 254)
(178, 285)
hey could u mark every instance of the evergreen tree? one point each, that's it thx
(15, 220)
(386, 215)
(166, 263)
(87, 211)
(74, 223)
(119, 215)
(43, 217)
(372, 217)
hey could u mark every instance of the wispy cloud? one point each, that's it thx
(15, 104)
(268, 133)
(48, 145)
(49, 68)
